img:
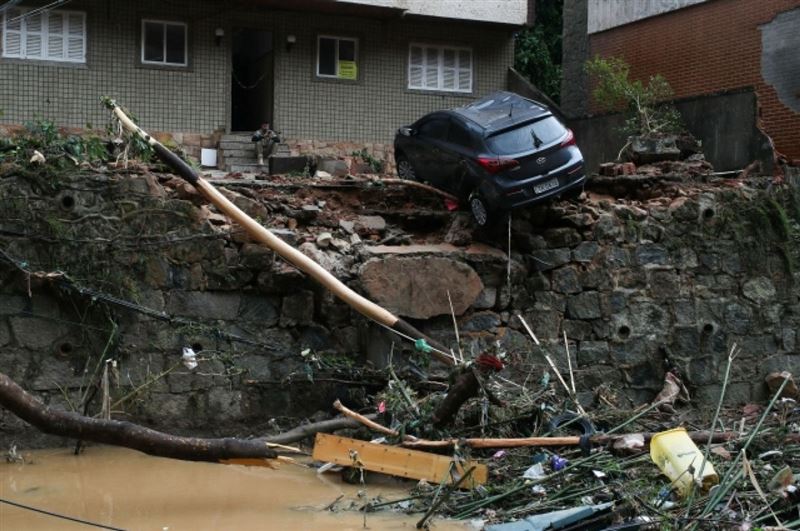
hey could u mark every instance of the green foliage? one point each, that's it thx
(537, 50)
(647, 113)
(376, 165)
(60, 151)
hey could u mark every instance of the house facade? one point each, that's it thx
(330, 75)
(702, 47)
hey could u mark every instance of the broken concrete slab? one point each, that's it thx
(418, 287)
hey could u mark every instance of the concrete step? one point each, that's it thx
(248, 168)
(250, 151)
(227, 144)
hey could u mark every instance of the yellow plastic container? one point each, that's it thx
(674, 453)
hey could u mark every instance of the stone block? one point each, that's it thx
(481, 322)
(585, 251)
(335, 167)
(565, 280)
(259, 309)
(417, 287)
(562, 237)
(550, 301)
(35, 333)
(546, 259)
(297, 309)
(486, 299)
(577, 330)
(663, 285)
(255, 256)
(648, 253)
(5, 334)
(283, 165)
(592, 353)
(759, 290)
(204, 304)
(584, 306)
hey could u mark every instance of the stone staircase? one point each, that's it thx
(239, 153)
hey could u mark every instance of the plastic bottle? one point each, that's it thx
(674, 453)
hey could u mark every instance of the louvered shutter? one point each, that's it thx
(431, 68)
(34, 37)
(416, 67)
(465, 70)
(76, 37)
(12, 33)
(449, 69)
(55, 36)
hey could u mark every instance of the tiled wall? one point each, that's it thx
(190, 100)
(197, 99)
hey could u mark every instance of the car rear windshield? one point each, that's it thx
(526, 137)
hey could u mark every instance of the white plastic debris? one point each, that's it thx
(599, 474)
(189, 358)
(534, 472)
(37, 157)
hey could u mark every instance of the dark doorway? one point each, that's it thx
(251, 80)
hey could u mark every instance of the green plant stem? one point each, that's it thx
(726, 483)
(707, 453)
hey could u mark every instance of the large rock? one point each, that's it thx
(417, 287)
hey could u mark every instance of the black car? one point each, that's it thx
(501, 152)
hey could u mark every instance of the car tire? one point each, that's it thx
(406, 170)
(479, 209)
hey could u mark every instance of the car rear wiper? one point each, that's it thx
(536, 140)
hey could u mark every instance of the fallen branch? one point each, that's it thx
(326, 426)
(361, 419)
(697, 436)
(121, 433)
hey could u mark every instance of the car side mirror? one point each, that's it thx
(407, 131)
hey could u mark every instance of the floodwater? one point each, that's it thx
(125, 489)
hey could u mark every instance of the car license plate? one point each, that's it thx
(545, 186)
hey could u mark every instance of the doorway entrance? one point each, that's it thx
(252, 86)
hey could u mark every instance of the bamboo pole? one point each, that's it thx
(286, 251)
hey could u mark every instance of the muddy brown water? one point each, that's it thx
(129, 490)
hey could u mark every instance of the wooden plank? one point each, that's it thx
(394, 461)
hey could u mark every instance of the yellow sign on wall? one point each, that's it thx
(348, 70)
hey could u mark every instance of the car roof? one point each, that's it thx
(501, 110)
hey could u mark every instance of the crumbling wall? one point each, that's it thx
(639, 287)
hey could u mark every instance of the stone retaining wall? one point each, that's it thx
(639, 287)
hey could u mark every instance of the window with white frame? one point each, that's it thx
(443, 68)
(44, 35)
(164, 43)
(337, 57)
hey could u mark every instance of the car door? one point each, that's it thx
(432, 136)
(459, 148)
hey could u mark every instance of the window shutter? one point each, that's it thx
(76, 37)
(449, 69)
(465, 70)
(34, 45)
(55, 36)
(12, 34)
(416, 67)
(431, 68)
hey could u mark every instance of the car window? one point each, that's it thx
(459, 136)
(527, 137)
(435, 129)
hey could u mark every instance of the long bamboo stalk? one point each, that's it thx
(305, 264)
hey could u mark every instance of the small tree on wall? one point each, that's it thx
(646, 112)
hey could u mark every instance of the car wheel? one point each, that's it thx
(479, 209)
(405, 170)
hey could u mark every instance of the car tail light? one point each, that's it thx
(496, 165)
(569, 140)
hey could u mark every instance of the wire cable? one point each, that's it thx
(57, 515)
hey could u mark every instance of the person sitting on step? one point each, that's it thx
(265, 140)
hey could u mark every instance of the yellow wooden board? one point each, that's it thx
(394, 460)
